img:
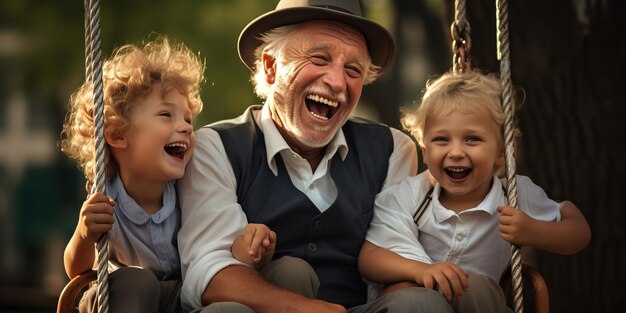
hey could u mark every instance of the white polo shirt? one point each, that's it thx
(470, 239)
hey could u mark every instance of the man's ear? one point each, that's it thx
(116, 138)
(269, 68)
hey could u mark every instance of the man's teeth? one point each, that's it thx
(319, 116)
(319, 99)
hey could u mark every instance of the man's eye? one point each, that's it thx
(319, 60)
(167, 114)
(354, 72)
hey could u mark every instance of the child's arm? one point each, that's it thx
(568, 236)
(96, 218)
(385, 266)
(255, 246)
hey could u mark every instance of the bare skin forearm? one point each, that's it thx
(79, 256)
(244, 285)
(568, 236)
(384, 266)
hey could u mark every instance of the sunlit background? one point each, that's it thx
(42, 63)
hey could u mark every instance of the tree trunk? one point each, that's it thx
(567, 58)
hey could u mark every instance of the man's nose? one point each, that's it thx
(335, 78)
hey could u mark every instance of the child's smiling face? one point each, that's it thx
(462, 150)
(161, 139)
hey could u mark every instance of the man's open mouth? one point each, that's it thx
(320, 107)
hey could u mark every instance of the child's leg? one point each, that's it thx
(293, 274)
(484, 295)
(130, 290)
(407, 300)
(169, 301)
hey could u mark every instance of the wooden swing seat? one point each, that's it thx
(68, 300)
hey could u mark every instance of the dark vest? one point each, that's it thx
(329, 241)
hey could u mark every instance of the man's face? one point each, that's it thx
(317, 83)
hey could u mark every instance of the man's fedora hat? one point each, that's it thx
(380, 43)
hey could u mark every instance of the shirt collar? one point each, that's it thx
(133, 211)
(275, 143)
(489, 204)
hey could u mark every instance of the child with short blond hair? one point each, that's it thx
(450, 227)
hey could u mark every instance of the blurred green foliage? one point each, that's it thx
(44, 44)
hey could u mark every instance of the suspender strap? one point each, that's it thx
(423, 206)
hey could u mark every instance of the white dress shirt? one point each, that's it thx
(211, 216)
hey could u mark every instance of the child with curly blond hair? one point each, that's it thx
(151, 97)
(450, 227)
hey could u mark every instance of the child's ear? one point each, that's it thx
(424, 154)
(115, 138)
(500, 159)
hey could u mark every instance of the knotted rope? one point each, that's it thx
(507, 104)
(93, 68)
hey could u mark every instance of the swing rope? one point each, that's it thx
(507, 104)
(461, 45)
(93, 68)
(461, 41)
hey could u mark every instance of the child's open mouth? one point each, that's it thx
(457, 172)
(176, 149)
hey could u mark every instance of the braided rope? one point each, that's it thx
(505, 77)
(93, 65)
(461, 41)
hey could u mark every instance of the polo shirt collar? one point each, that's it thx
(488, 205)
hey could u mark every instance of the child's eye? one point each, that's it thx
(440, 139)
(165, 113)
(473, 139)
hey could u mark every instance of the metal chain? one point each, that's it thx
(507, 104)
(93, 66)
(461, 41)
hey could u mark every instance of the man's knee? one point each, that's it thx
(293, 274)
(225, 307)
(483, 295)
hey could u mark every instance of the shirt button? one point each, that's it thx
(318, 224)
(311, 247)
(459, 237)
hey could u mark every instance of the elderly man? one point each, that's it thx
(298, 164)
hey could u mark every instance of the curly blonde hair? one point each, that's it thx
(467, 92)
(128, 74)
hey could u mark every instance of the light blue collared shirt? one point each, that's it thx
(141, 239)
